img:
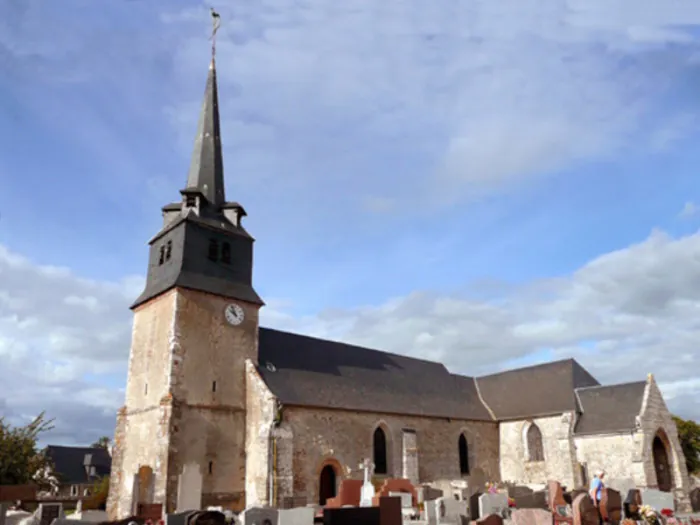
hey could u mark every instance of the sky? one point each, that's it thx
(487, 184)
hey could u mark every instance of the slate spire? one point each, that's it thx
(206, 173)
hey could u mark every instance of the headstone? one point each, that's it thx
(491, 519)
(79, 507)
(531, 517)
(260, 516)
(390, 510)
(189, 488)
(516, 491)
(695, 499)
(474, 505)
(406, 499)
(585, 512)
(431, 493)
(3, 512)
(48, 512)
(352, 516)
(450, 510)
(179, 518)
(631, 504)
(557, 504)
(208, 517)
(657, 499)
(297, 516)
(622, 485)
(492, 504)
(611, 506)
(534, 500)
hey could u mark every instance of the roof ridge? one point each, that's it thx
(528, 367)
(610, 386)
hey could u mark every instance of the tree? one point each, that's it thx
(99, 493)
(20, 461)
(103, 442)
(689, 436)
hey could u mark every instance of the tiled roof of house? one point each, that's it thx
(70, 463)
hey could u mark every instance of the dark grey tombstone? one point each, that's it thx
(209, 517)
(631, 504)
(259, 516)
(474, 505)
(48, 512)
(352, 516)
(3, 511)
(179, 518)
(516, 491)
(695, 499)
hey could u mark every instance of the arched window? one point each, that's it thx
(463, 455)
(213, 250)
(380, 465)
(535, 449)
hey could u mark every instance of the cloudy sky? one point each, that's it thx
(489, 184)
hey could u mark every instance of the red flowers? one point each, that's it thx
(667, 512)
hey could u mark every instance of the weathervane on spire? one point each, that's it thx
(216, 23)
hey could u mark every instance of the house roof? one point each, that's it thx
(536, 390)
(314, 372)
(609, 408)
(70, 463)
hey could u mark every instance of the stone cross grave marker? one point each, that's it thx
(367, 492)
(297, 516)
(48, 512)
(189, 490)
(492, 504)
(260, 516)
(585, 512)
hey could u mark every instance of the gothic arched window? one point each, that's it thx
(463, 455)
(380, 464)
(535, 449)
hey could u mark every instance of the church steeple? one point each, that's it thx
(203, 245)
(206, 175)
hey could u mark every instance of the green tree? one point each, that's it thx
(20, 461)
(99, 493)
(103, 442)
(689, 436)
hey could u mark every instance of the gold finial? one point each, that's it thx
(650, 376)
(216, 23)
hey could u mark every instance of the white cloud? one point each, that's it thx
(690, 209)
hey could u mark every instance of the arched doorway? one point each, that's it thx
(664, 478)
(379, 445)
(327, 486)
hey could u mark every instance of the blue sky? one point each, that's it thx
(485, 184)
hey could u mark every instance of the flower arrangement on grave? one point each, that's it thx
(667, 513)
(491, 488)
(511, 503)
(648, 514)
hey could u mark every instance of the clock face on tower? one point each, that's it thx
(234, 314)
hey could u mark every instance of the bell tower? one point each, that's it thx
(195, 324)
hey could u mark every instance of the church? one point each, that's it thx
(274, 418)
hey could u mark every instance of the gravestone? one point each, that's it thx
(695, 499)
(189, 488)
(491, 519)
(534, 500)
(474, 505)
(3, 512)
(631, 504)
(48, 512)
(367, 491)
(390, 510)
(405, 497)
(209, 517)
(260, 516)
(452, 510)
(557, 503)
(657, 499)
(611, 506)
(531, 517)
(352, 516)
(297, 516)
(585, 512)
(179, 518)
(492, 504)
(622, 485)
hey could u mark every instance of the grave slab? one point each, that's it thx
(297, 516)
(260, 516)
(531, 517)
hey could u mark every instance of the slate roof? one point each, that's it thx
(327, 374)
(70, 462)
(533, 391)
(609, 408)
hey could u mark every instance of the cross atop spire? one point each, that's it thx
(206, 175)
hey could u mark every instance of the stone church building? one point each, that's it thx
(270, 417)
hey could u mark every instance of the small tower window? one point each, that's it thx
(211, 467)
(145, 389)
(168, 250)
(463, 455)
(226, 253)
(213, 250)
(190, 201)
(213, 386)
(162, 255)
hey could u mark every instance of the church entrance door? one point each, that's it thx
(661, 465)
(327, 485)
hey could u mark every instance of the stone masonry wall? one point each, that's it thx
(559, 460)
(655, 419)
(142, 433)
(343, 439)
(616, 454)
(208, 387)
